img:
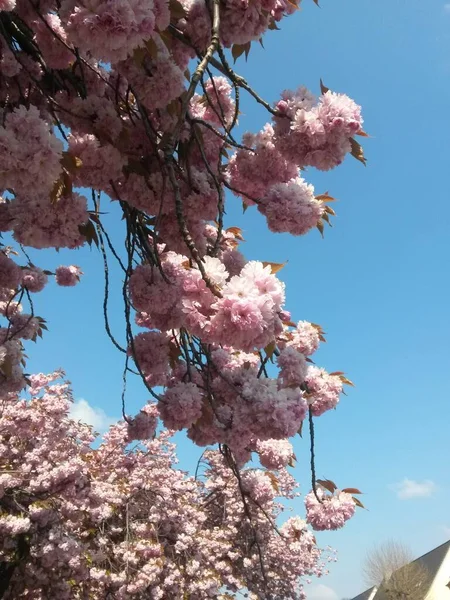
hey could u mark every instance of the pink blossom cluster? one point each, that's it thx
(38, 222)
(227, 401)
(291, 207)
(34, 279)
(293, 368)
(329, 511)
(111, 31)
(68, 276)
(253, 172)
(98, 95)
(143, 425)
(163, 81)
(275, 454)
(241, 21)
(245, 316)
(181, 405)
(305, 338)
(109, 520)
(216, 106)
(305, 132)
(16, 283)
(323, 390)
(52, 40)
(30, 153)
(316, 134)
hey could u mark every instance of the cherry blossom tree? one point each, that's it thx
(99, 96)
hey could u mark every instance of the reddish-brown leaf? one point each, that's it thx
(320, 227)
(323, 88)
(237, 50)
(274, 267)
(177, 11)
(358, 502)
(273, 480)
(327, 484)
(357, 151)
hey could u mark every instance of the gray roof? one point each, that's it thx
(367, 595)
(431, 561)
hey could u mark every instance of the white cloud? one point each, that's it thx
(81, 410)
(320, 592)
(408, 488)
(447, 7)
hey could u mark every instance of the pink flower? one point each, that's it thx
(151, 351)
(25, 327)
(181, 405)
(7, 5)
(258, 485)
(157, 81)
(293, 368)
(39, 223)
(291, 207)
(216, 105)
(34, 279)
(252, 173)
(275, 454)
(29, 152)
(316, 134)
(10, 273)
(323, 390)
(305, 338)
(68, 276)
(49, 33)
(329, 512)
(110, 31)
(11, 525)
(143, 425)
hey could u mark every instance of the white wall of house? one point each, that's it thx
(439, 589)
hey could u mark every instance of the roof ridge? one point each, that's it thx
(430, 551)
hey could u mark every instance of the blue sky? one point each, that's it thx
(378, 283)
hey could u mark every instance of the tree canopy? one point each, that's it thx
(136, 103)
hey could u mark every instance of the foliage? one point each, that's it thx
(99, 95)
